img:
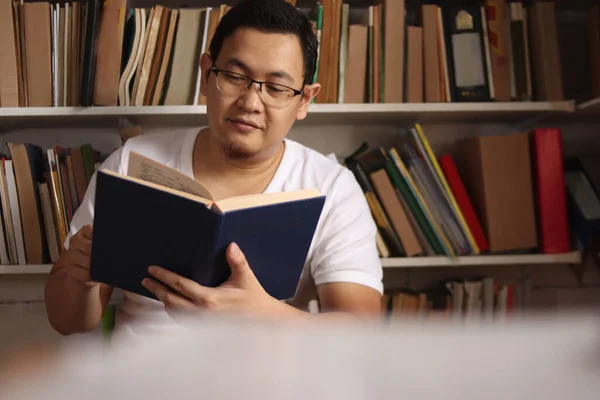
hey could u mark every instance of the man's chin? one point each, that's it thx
(236, 150)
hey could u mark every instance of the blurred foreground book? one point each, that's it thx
(528, 358)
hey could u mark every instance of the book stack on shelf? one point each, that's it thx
(418, 51)
(84, 53)
(505, 194)
(486, 298)
(40, 192)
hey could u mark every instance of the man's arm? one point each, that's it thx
(338, 301)
(71, 306)
(74, 303)
(242, 294)
(349, 297)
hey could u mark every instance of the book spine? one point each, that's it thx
(212, 268)
(448, 192)
(550, 188)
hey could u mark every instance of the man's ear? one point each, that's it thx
(206, 64)
(309, 93)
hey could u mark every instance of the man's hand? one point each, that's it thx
(77, 258)
(241, 294)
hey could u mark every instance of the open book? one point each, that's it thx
(158, 216)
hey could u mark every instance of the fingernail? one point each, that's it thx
(235, 250)
(145, 282)
(152, 270)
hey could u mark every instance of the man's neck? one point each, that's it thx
(213, 167)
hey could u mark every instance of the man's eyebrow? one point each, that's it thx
(282, 75)
(235, 62)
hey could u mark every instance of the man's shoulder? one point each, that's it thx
(160, 143)
(312, 168)
(163, 147)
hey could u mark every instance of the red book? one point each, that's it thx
(549, 178)
(464, 202)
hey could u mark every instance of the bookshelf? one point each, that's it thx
(329, 127)
(41, 269)
(590, 108)
(319, 114)
(573, 257)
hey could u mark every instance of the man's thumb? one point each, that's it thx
(236, 259)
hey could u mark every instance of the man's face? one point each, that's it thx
(243, 124)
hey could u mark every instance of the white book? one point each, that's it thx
(66, 56)
(203, 50)
(15, 211)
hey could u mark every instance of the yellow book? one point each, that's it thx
(58, 208)
(449, 193)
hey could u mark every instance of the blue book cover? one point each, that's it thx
(138, 224)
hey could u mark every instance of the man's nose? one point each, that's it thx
(250, 100)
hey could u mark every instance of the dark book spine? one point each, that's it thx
(89, 56)
(465, 51)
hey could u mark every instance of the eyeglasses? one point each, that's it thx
(271, 94)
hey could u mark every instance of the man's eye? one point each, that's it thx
(275, 89)
(235, 78)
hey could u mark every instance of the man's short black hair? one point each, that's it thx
(271, 16)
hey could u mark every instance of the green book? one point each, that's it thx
(316, 21)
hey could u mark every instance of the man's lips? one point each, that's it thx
(244, 123)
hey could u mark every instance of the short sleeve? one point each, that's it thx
(345, 248)
(85, 212)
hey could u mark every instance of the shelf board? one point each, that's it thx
(573, 257)
(402, 262)
(321, 114)
(25, 269)
(589, 108)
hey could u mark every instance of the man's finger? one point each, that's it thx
(79, 273)
(184, 286)
(237, 260)
(87, 231)
(81, 244)
(169, 298)
(85, 246)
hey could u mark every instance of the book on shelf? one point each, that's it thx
(468, 299)
(156, 215)
(582, 179)
(39, 193)
(502, 194)
(84, 53)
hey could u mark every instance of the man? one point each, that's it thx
(257, 81)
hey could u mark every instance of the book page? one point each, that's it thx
(151, 171)
(257, 200)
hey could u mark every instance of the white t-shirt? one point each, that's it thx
(343, 247)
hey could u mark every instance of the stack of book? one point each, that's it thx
(484, 298)
(417, 51)
(39, 193)
(505, 194)
(84, 53)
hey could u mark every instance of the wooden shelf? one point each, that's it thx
(25, 269)
(404, 262)
(589, 108)
(524, 259)
(319, 114)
